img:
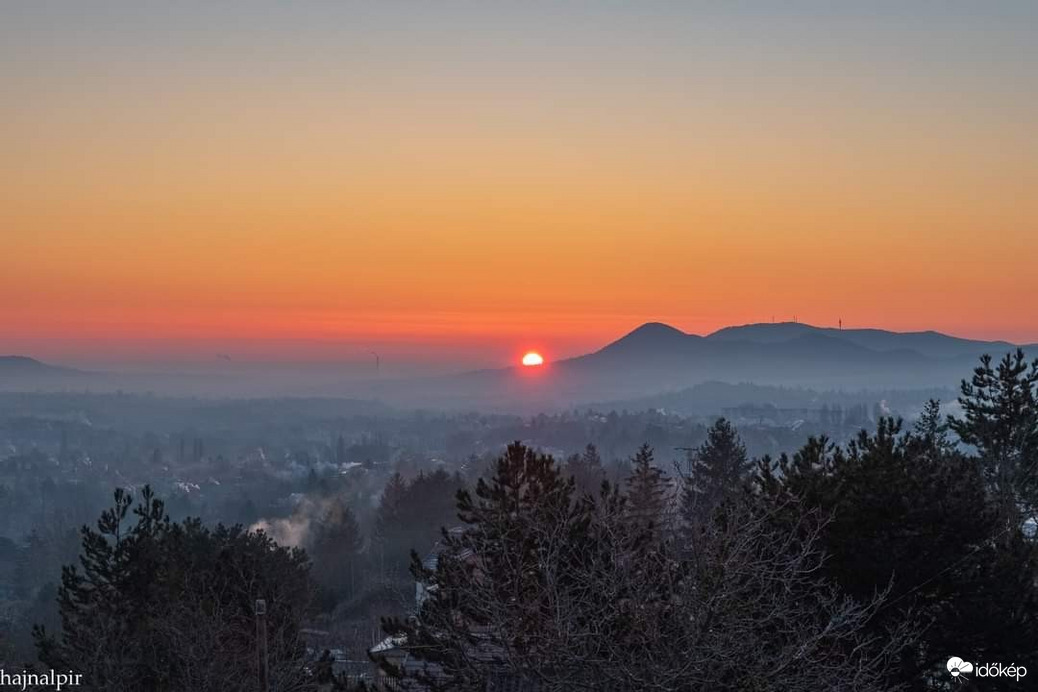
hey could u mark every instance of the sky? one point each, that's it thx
(459, 182)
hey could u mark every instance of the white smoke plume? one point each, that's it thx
(294, 531)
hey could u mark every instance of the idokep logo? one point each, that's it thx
(959, 670)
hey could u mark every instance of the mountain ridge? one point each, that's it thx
(18, 365)
(656, 357)
(929, 343)
(652, 359)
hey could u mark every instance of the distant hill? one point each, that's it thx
(929, 343)
(641, 367)
(652, 337)
(656, 358)
(23, 366)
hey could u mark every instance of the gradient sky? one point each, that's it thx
(461, 181)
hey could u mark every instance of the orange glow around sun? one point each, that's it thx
(533, 359)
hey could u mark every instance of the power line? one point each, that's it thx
(949, 567)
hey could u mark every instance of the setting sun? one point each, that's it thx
(532, 358)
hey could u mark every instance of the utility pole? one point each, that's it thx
(261, 645)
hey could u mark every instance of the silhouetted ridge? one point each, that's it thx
(654, 330)
(764, 332)
(651, 336)
(24, 365)
(930, 343)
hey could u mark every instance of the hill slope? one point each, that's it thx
(23, 366)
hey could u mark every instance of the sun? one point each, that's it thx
(533, 359)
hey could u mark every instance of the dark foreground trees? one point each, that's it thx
(161, 605)
(861, 566)
(568, 593)
(912, 515)
(1000, 420)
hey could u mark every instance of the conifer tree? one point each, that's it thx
(932, 431)
(163, 605)
(903, 513)
(409, 517)
(543, 592)
(386, 534)
(647, 489)
(1000, 419)
(586, 469)
(504, 516)
(719, 468)
(334, 546)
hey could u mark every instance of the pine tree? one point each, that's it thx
(162, 605)
(1000, 419)
(897, 511)
(647, 489)
(719, 468)
(932, 431)
(388, 529)
(586, 469)
(409, 518)
(504, 520)
(334, 546)
(391, 504)
(543, 592)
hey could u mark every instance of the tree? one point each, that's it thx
(526, 491)
(647, 488)
(586, 469)
(562, 593)
(334, 546)
(719, 468)
(912, 516)
(1000, 419)
(409, 518)
(161, 605)
(389, 517)
(932, 431)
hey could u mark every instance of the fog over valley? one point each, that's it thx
(652, 360)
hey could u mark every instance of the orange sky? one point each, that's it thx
(469, 184)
